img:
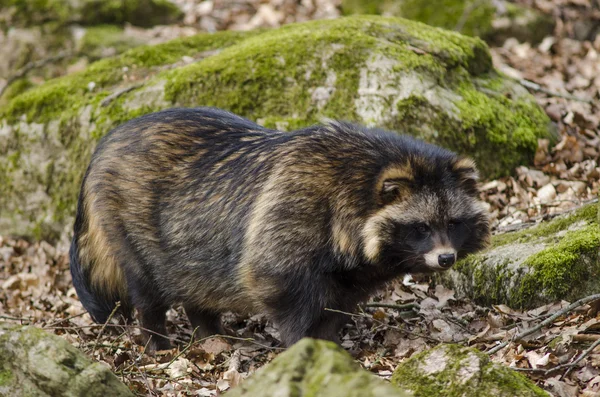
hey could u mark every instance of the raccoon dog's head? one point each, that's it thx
(427, 215)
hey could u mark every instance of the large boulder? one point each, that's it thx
(551, 261)
(49, 38)
(453, 370)
(314, 368)
(394, 73)
(36, 363)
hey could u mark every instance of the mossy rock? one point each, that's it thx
(27, 13)
(314, 368)
(77, 45)
(493, 21)
(36, 363)
(394, 73)
(447, 14)
(456, 371)
(555, 260)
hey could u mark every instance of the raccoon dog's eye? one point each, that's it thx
(453, 225)
(422, 228)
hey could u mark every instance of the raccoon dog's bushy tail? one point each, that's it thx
(97, 305)
(97, 278)
(98, 308)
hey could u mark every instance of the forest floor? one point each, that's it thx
(562, 73)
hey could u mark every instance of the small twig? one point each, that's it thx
(185, 349)
(117, 306)
(583, 355)
(530, 370)
(253, 341)
(404, 307)
(106, 101)
(569, 366)
(143, 374)
(457, 321)
(122, 326)
(549, 320)
(65, 319)
(384, 325)
(33, 65)
(536, 87)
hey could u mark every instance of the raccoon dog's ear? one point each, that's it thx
(468, 176)
(393, 188)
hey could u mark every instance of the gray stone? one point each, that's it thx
(36, 363)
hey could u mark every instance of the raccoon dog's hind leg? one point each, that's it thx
(151, 312)
(145, 296)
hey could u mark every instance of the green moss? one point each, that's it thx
(34, 12)
(588, 214)
(273, 78)
(492, 121)
(469, 17)
(17, 87)
(6, 377)
(359, 7)
(570, 260)
(448, 376)
(64, 97)
(98, 38)
(267, 73)
(314, 368)
(137, 12)
(89, 12)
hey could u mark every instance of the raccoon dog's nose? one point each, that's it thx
(446, 260)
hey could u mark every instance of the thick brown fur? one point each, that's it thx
(207, 209)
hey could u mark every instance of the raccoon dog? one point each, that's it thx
(206, 209)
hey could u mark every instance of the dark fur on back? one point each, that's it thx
(205, 208)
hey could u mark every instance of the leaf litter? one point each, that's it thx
(409, 316)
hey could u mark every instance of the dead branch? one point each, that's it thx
(549, 320)
(583, 355)
(114, 310)
(384, 325)
(106, 101)
(185, 349)
(536, 87)
(404, 307)
(568, 366)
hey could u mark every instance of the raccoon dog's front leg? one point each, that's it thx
(314, 323)
(328, 326)
(153, 319)
(299, 310)
(204, 322)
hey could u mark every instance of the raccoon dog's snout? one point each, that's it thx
(446, 260)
